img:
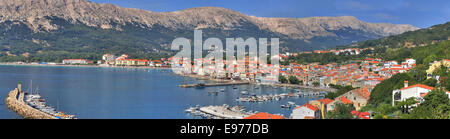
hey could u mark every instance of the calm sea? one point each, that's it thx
(126, 93)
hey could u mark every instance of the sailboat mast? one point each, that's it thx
(31, 87)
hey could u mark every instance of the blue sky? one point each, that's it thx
(420, 13)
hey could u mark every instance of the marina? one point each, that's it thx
(201, 85)
(220, 112)
(276, 97)
(35, 101)
(32, 106)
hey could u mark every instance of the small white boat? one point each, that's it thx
(244, 92)
(291, 103)
(285, 106)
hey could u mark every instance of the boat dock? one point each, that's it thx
(276, 97)
(219, 112)
(306, 87)
(31, 106)
(213, 84)
(15, 102)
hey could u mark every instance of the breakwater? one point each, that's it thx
(15, 102)
(213, 84)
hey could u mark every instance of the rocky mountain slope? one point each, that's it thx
(43, 17)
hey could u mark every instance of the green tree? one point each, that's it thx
(407, 104)
(382, 93)
(385, 109)
(342, 111)
(430, 82)
(436, 98)
(419, 73)
(293, 80)
(431, 58)
(447, 83)
(316, 84)
(282, 79)
(436, 105)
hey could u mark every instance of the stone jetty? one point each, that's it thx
(213, 84)
(15, 102)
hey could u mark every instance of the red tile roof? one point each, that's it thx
(423, 95)
(345, 100)
(263, 115)
(419, 85)
(309, 106)
(325, 100)
(362, 115)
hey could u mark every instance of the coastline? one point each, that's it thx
(90, 66)
(166, 68)
(254, 83)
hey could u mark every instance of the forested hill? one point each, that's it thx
(421, 37)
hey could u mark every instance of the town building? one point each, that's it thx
(263, 115)
(131, 62)
(75, 61)
(322, 104)
(306, 111)
(436, 65)
(418, 91)
(109, 59)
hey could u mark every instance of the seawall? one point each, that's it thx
(15, 102)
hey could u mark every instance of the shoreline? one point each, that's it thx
(199, 77)
(78, 66)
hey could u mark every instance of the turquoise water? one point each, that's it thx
(126, 93)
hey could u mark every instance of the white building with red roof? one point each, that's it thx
(306, 111)
(74, 61)
(418, 91)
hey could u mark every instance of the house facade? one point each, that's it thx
(306, 111)
(74, 61)
(418, 91)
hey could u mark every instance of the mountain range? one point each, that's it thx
(84, 29)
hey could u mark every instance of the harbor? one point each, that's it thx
(219, 112)
(202, 85)
(105, 93)
(277, 97)
(32, 106)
